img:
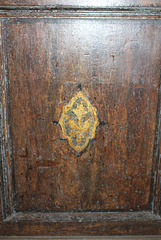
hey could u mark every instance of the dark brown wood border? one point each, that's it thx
(151, 237)
(5, 140)
(156, 169)
(58, 224)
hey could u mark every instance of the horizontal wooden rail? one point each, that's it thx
(81, 12)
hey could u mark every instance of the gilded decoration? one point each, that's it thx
(79, 122)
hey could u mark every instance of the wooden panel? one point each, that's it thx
(117, 67)
(82, 2)
(59, 224)
(115, 61)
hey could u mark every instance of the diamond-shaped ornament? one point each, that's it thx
(79, 122)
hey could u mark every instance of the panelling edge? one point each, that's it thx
(0, 123)
(150, 237)
(80, 217)
(6, 186)
(58, 11)
(156, 168)
(74, 224)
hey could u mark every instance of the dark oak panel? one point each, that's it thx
(50, 50)
(117, 65)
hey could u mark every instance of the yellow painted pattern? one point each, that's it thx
(79, 122)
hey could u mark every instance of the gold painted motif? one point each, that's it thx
(79, 122)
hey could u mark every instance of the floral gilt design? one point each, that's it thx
(79, 122)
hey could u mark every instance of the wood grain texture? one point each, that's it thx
(5, 140)
(156, 170)
(58, 224)
(117, 65)
(47, 55)
(82, 2)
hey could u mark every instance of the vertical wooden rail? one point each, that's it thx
(0, 122)
(156, 171)
(6, 165)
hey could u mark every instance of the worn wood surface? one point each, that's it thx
(6, 165)
(58, 224)
(47, 55)
(80, 12)
(156, 169)
(110, 60)
(82, 2)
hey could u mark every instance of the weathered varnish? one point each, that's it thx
(109, 57)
